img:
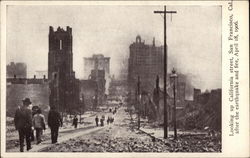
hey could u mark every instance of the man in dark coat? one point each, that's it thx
(75, 121)
(54, 121)
(23, 123)
(96, 120)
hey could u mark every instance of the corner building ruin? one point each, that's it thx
(64, 87)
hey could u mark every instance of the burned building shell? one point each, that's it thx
(64, 87)
(146, 62)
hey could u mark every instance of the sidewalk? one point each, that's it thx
(158, 132)
(88, 123)
(64, 138)
(64, 135)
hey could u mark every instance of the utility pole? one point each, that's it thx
(138, 101)
(165, 70)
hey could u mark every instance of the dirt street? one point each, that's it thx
(122, 136)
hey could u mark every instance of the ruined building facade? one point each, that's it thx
(99, 77)
(95, 63)
(93, 89)
(64, 87)
(18, 70)
(145, 61)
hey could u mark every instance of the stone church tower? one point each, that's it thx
(64, 88)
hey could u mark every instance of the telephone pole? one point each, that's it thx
(165, 69)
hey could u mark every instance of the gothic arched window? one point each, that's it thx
(61, 44)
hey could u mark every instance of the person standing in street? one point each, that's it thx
(39, 125)
(32, 138)
(54, 122)
(108, 120)
(23, 123)
(75, 121)
(102, 122)
(96, 120)
(34, 110)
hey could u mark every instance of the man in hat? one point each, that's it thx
(54, 121)
(23, 123)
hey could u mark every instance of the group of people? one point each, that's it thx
(28, 119)
(110, 119)
(101, 120)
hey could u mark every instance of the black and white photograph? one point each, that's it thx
(113, 78)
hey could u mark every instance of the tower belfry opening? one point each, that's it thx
(60, 44)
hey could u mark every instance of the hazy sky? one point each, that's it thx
(194, 36)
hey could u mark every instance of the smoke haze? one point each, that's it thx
(193, 36)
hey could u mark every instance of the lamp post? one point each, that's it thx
(173, 77)
(139, 99)
(81, 106)
(80, 110)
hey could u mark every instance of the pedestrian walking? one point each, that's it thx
(23, 123)
(34, 110)
(39, 125)
(54, 122)
(111, 119)
(108, 121)
(96, 120)
(102, 122)
(32, 137)
(75, 121)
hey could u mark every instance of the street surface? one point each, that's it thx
(117, 137)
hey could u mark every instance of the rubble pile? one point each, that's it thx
(108, 145)
(194, 143)
(204, 113)
(136, 141)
